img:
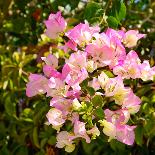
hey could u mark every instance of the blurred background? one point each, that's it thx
(22, 43)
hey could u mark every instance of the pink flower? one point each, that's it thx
(117, 117)
(94, 132)
(56, 87)
(75, 77)
(55, 25)
(130, 67)
(56, 118)
(62, 104)
(100, 50)
(111, 33)
(74, 117)
(102, 55)
(125, 134)
(115, 88)
(80, 131)
(118, 50)
(74, 93)
(91, 66)
(82, 33)
(77, 60)
(51, 72)
(74, 72)
(147, 73)
(115, 38)
(94, 84)
(37, 85)
(70, 45)
(103, 79)
(132, 103)
(106, 50)
(63, 140)
(51, 60)
(131, 37)
(101, 39)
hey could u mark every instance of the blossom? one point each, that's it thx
(70, 45)
(37, 85)
(80, 131)
(115, 38)
(131, 37)
(94, 60)
(76, 104)
(94, 84)
(109, 129)
(111, 33)
(125, 134)
(130, 67)
(103, 79)
(94, 132)
(51, 60)
(82, 33)
(51, 63)
(63, 140)
(102, 55)
(73, 76)
(62, 104)
(117, 117)
(147, 73)
(74, 72)
(115, 128)
(115, 88)
(56, 87)
(91, 66)
(51, 72)
(56, 118)
(55, 25)
(77, 60)
(74, 117)
(132, 103)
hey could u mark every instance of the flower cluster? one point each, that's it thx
(88, 93)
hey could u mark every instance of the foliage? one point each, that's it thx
(21, 46)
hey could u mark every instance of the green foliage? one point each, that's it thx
(22, 128)
(92, 8)
(112, 22)
(97, 101)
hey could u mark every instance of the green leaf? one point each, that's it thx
(9, 106)
(122, 12)
(117, 146)
(118, 11)
(97, 101)
(84, 84)
(4, 151)
(22, 150)
(142, 91)
(43, 142)
(52, 140)
(91, 10)
(40, 111)
(131, 1)
(99, 113)
(90, 91)
(109, 73)
(35, 137)
(112, 22)
(139, 135)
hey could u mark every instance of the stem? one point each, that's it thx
(106, 7)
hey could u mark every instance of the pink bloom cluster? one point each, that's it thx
(91, 53)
